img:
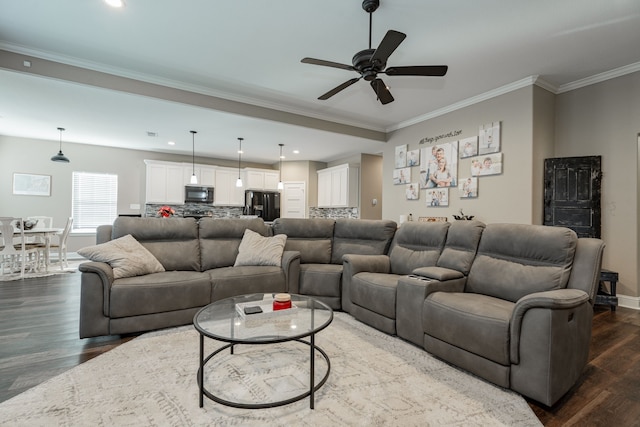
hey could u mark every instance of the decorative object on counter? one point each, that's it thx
(194, 178)
(60, 157)
(433, 219)
(281, 302)
(239, 180)
(28, 224)
(280, 184)
(166, 211)
(463, 217)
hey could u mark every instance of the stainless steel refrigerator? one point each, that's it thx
(264, 204)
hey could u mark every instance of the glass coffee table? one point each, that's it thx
(225, 321)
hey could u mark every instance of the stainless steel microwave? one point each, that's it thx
(198, 194)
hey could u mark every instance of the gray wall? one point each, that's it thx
(604, 119)
(370, 186)
(33, 156)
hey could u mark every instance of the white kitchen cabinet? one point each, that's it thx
(226, 193)
(338, 187)
(271, 180)
(265, 180)
(206, 175)
(165, 182)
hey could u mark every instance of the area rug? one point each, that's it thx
(375, 380)
(54, 269)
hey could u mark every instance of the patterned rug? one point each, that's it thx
(375, 380)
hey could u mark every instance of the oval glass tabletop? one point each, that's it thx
(225, 320)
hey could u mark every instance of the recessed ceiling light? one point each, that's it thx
(115, 3)
(296, 151)
(171, 143)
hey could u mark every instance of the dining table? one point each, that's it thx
(45, 234)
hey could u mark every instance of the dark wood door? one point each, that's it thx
(572, 194)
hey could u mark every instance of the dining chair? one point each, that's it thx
(62, 244)
(15, 253)
(42, 222)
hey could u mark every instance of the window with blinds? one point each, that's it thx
(94, 200)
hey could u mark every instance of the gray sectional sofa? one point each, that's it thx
(510, 303)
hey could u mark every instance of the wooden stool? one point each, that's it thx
(607, 296)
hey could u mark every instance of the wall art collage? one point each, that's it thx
(437, 166)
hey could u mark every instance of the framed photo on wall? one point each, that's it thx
(469, 147)
(413, 157)
(28, 184)
(437, 197)
(412, 191)
(401, 156)
(489, 138)
(468, 188)
(401, 176)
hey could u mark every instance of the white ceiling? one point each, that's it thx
(250, 51)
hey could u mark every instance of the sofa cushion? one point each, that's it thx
(126, 256)
(313, 238)
(255, 249)
(231, 281)
(362, 236)
(460, 248)
(514, 260)
(158, 293)
(375, 292)
(476, 323)
(320, 279)
(417, 244)
(173, 241)
(220, 239)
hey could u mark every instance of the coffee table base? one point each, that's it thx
(312, 388)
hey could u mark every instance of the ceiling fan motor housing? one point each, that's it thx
(370, 6)
(362, 63)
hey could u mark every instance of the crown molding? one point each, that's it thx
(174, 84)
(598, 78)
(528, 81)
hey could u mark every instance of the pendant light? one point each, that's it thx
(239, 181)
(60, 157)
(280, 184)
(194, 178)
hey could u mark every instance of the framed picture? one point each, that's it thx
(468, 188)
(412, 191)
(440, 163)
(401, 156)
(401, 176)
(413, 158)
(437, 197)
(469, 147)
(489, 136)
(27, 184)
(487, 165)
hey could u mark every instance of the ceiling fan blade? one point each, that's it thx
(339, 88)
(327, 63)
(418, 70)
(387, 46)
(382, 92)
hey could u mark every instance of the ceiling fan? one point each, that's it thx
(371, 62)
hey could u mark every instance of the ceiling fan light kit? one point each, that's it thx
(371, 62)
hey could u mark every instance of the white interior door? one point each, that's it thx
(293, 200)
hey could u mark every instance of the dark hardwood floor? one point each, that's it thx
(39, 339)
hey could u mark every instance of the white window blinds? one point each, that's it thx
(95, 200)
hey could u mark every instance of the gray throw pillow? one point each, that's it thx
(125, 255)
(258, 250)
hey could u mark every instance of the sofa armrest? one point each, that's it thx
(559, 299)
(353, 264)
(291, 268)
(410, 296)
(550, 338)
(95, 287)
(438, 273)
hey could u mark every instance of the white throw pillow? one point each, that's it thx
(125, 255)
(258, 250)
